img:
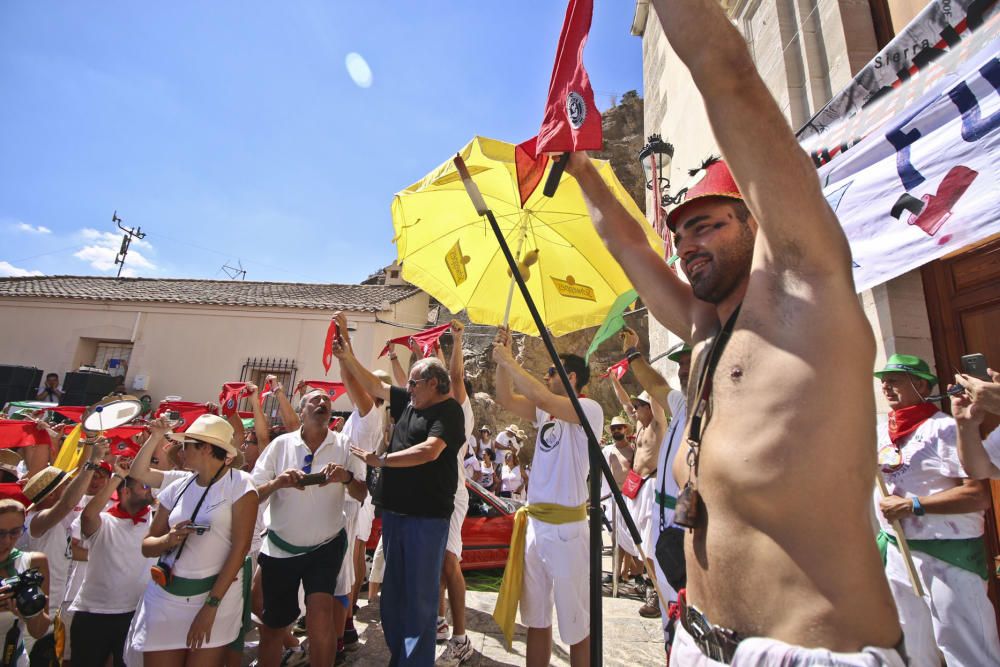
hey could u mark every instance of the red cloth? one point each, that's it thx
(572, 121)
(333, 389)
(618, 369)
(906, 420)
(530, 168)
(426, 340)
(137, 518)
(266, 391)
(15, 491)
(332, 334)
(71, 412)
(20, 433)
(121, 440)
(188, 412)
(230, 395)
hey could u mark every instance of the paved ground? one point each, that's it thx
(628, 638)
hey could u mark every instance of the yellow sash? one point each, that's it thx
(513, 574)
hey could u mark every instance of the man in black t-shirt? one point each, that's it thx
(417, 495)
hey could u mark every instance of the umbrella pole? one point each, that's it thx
(510, 290)
(597, 462)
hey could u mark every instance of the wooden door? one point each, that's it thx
(963, 303)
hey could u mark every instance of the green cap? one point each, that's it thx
(907, 363)
(675, 353)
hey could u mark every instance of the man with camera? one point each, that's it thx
(980, 457)
(110, 592)
(305, 474)
(941, 514)
(23, 587)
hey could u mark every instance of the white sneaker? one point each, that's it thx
(455, 653)
(442, 632)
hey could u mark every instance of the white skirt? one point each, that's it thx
(162, 620)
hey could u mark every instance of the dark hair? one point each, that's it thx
(216, 451)
(741, 210)
(130, 482)
(493, 456)
(52, 375)
(575, 364)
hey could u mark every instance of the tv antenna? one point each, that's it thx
(237, 272)
(126, 240)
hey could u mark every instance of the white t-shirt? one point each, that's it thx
(366, 432)
(313, 515)
(169, 477)
(54, 545)
(470, 466)
(470, 423)
(561, 462)
(204, 555)
(505, 441)
(668, 452)
(510, 479)
(117, 572)
(992, 446)
(930, 465)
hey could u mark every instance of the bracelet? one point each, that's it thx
(114, 474)
(348, 481)
(632, 354)
(383, 461)
(392, 356)
(90, 465)
(212, 601)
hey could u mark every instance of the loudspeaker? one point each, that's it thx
(82, 388)
(19, 383)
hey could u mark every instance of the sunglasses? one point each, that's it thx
(307, 468)
(550, 372)
(13, 532)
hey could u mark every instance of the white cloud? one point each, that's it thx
(102, 249)
(358, 69)
(31, 229)
(8, 270)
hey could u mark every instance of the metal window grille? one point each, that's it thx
(257, 369)
(113, 357)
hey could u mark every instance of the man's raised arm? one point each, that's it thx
(369, 381)
(667, 297)
(776, 177)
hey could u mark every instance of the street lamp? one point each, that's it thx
(655, 158)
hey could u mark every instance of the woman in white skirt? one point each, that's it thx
(194, 607)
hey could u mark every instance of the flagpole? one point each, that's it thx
(597, 461)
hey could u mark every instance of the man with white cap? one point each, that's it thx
(506, 440)
(306, 474)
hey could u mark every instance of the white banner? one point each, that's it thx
(925, 180)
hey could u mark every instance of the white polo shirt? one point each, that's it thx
(992, 446)
(117, 572)
(314, 515)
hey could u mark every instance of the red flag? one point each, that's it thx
(187, 412)
(332, 334)
(120, 440)
(71, 412)
(530, 168)
(265, 392)
(21, 433)
(572, 121)
(618, 369)
(333, 389)
(230, 395)
(426, 340)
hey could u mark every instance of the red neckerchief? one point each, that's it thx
(119, 512)
(906, 420)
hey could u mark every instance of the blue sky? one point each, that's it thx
(232, 131)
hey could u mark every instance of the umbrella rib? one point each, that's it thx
(587, 259)
(410, 253)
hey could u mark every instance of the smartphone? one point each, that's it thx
(312, 478)
(173, 415)
(199, 528)
(975, 365)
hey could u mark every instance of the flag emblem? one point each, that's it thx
(576, 109)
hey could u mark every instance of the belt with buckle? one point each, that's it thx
(715, 642)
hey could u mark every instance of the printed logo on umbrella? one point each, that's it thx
(570, 288)
(456, 262)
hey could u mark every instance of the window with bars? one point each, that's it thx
(257, 369)
(113, 357)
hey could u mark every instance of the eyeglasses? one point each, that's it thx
(13, 532)
(550, 372)
(413, 383)
(193, 443)
(307, 468)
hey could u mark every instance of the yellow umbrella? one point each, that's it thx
(449, 251)
(71, 450)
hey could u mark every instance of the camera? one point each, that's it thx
(27, 589)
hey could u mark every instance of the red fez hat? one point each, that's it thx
(712, 179)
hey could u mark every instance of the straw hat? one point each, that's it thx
(43, 483)
(644, 397)
(211, 429)
(521, 435)
(618, 421)
(8, 457)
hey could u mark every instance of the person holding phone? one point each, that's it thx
(980, 457)
(305, 475)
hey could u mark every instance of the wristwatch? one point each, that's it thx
(212, 601)
(632, 354)
(918, 509)
(351, 473)
(90, 465)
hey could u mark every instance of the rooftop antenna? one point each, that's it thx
(126, 240)
(235, 273)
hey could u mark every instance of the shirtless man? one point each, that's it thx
(782, 548)
(619, 455)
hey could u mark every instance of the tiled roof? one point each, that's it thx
(369, 298)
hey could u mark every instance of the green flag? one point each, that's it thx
(614, 322)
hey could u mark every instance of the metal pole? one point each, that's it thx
(597, 462)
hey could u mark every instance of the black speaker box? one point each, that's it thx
(20, 376)
(83, 388)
